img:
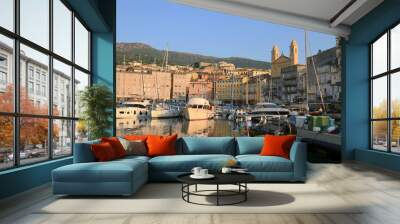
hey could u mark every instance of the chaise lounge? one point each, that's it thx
(125, 176)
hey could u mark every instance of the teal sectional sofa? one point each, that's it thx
(125, 176)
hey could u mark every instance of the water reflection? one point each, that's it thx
(180, 126)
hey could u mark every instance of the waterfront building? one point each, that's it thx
(326, 65)
(223, 65)
(293, 83)
(143, 84)
(200, 88)
(229, 90)
(278, 62)
(244, 90)
(257, 72)
(180, 85)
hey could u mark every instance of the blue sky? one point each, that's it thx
(188, 29)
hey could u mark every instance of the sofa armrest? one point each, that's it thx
(298, 155)
(83, 152)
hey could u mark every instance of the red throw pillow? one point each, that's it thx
(103, 152)
(161, 145)
(277, 145)
(116, 145)
(136, 137)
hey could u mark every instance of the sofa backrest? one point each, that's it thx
(83, 152)
(206, 145)
(249, 145)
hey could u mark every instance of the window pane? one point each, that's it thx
(34, 97)
(81, 82)
(379, 97)
(62, 138)
(395, 47)
(35, 21)
(62, 29)
(395, 94)
(379, 55)
(62, 89)
(6, 74)
(33, 139)
(81, 131)
(7, 14)
(395, 134)
(81, 45)
(379, 135)
(6, 142)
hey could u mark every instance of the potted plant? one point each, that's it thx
(97, 102)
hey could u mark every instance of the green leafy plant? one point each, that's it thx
(97, 102)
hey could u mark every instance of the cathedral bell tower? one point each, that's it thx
(294, 53)
(274, 53)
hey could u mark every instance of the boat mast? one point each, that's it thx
(232, 88)
(317, 79)
(306, 69)
(142, 78)
(124, 76)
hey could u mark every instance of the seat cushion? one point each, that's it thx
(257, 163)
(249, 145)
(112, 171)
(185, 163)
(206, 145)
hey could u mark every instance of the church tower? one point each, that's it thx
(294, 53)
(274, 53)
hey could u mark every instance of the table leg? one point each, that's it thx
(245, 193)
(195, 188)
(217, 194)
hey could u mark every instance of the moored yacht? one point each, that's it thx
(198, 109)
(133, 110)
(164, 111)
(269, 110)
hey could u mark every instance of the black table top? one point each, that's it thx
(220, 178)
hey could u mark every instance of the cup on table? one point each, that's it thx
(203, 172)
(226, 170)
(196, 171)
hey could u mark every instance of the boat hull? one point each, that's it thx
(164, 113)
(197, 114)
(131, 112)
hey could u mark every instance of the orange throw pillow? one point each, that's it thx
(136, 137)
(161, 145)
(277, 145)
(103, 152)
(116, 145)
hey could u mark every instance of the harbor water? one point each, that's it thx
(182, 127)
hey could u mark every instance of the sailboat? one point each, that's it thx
(163, 110)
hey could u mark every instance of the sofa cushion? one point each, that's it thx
(207, 145)
(116, 145)
(161, 145)
(257, 163)
(277, 145)
(185, 163)
(83, 152)
(103, 152)
(249, 145)
(134, 147)
(112, 171)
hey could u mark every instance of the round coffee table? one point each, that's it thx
(238, 179)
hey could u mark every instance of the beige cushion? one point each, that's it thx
(136, 147)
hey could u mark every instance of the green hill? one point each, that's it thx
(148, 54)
